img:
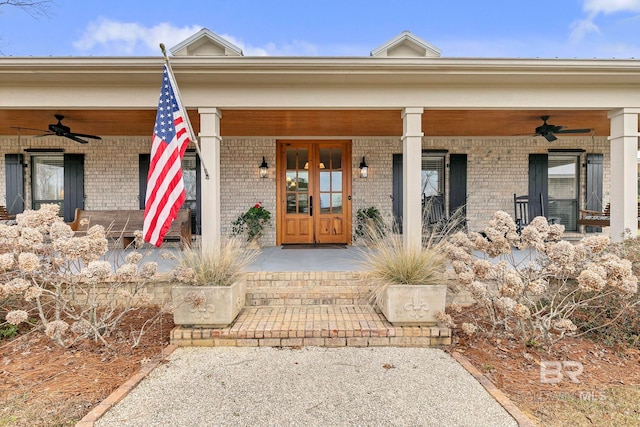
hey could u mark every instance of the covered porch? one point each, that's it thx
(463, 129)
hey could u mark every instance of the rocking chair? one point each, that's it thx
(525, 210)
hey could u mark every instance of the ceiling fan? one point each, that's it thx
(59, 129)
(548, 130)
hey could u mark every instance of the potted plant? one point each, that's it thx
(410, 284)
(212, 288)
(252, 223)
(369, 224)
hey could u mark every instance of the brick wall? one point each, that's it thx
(497, 168)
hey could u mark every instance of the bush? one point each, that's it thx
(369, 224)
(540, 295)
(215, 267)
(65, 281)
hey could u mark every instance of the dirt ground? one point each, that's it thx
(606, 392)
(44, 385)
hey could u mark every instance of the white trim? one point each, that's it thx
(407, 38)
(205, 33)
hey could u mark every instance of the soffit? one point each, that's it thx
(312, 123)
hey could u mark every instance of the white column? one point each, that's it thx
(210, 148)
(411, 176)
(624, 172)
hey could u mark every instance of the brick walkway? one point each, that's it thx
(312, 325)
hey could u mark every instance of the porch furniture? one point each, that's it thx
(4, 215)
(523, 213)
(123, 224)
(599, 219)
(433, 211)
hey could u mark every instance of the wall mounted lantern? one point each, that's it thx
(364, 169)
(263, 168)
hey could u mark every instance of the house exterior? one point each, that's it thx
(461, 129)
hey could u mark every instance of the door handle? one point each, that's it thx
(310, 205)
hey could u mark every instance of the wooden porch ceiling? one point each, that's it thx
(310, 122)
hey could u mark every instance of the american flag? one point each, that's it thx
(165, 188)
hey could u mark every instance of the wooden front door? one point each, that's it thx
(314, 192)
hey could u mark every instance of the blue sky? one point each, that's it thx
(460, 28)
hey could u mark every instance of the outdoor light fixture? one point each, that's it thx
(364, 168)
(263, 168)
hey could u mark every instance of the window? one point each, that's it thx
(47, 180)
(432, 175)
(563, 189)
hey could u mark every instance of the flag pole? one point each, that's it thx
(194, 138)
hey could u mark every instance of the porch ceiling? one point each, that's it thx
(311, 122)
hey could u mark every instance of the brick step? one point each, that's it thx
(307, 288)
(308, 295)
(305, 278)
(312, 325)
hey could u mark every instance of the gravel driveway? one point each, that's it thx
(312, 386)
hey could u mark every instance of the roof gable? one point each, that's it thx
(206, 43)
(407, 44)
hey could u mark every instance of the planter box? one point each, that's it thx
(216, 306)
(412, 305)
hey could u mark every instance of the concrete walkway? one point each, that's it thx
(312, 386)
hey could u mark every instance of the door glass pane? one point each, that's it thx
(303, 203)
(336, 203)
(303, 181)
(292, 184)
(563, 190)
(336, 158)
(324, 162)
(291, 203)
(336, 181)
(325, 180)
(325, 202)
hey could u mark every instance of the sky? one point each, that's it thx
(459, 28)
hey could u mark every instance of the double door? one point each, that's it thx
(314, 192)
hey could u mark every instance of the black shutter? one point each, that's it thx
(73, 185)
(397, 191)
(14, 180)
(197, 224)
(538, 184)
(143, 168)
(457, 182)
(595, 168)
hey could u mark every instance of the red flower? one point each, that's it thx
(257, 206)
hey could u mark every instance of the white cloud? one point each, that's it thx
(107, 37)
(579, 29)
(611, 6)
(593, 8)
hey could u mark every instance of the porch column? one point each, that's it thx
(210, 148)
(624, 172)
(411, 176)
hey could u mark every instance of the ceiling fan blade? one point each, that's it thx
(21, 128)
(84, 135)
(575, 131)
(549, 137)
(75, 138)
(44, 134)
